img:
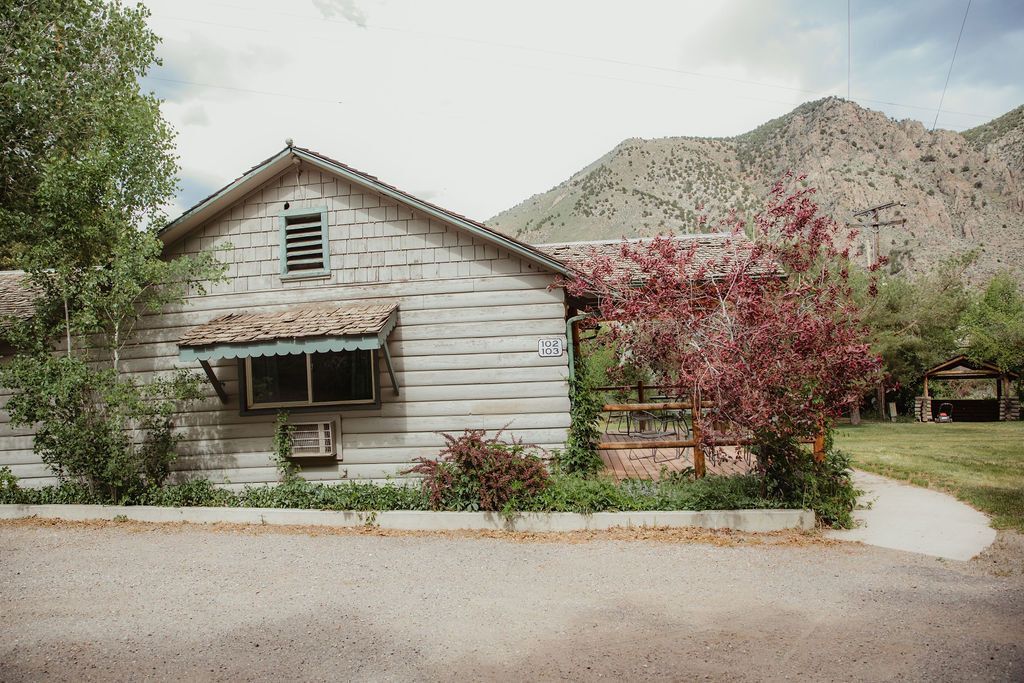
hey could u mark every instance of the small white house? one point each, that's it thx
(375, 319)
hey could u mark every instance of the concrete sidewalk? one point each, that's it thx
(918, 520)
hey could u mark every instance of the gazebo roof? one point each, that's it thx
(962, 367)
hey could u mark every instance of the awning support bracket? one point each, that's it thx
(218, 386)
(391, 371)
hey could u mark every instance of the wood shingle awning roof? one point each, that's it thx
(17, 296)
(307, 329)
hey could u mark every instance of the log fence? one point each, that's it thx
(696, 407)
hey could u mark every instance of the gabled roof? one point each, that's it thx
(711, 249)
(962, 367)
(267, 169)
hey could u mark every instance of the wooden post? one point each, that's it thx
(645, 425)
(699, 469)
(218, 386)
(819, 444)
(926, 386)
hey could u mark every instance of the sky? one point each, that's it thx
(476, 105)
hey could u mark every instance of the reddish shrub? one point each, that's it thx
(477, 473)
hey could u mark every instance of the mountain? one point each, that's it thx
(962, 191)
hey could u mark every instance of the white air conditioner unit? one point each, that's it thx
(313, 440)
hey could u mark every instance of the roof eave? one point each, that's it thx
(215, 203)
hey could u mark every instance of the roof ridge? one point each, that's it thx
(633, 240)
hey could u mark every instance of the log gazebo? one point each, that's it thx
(1004, 406)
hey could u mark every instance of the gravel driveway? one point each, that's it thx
(136, 602)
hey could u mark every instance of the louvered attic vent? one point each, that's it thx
(304, 242)
(313, 439)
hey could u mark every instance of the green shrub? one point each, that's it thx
(708, 493)
(580, 455)
(791, 474)
(9, 489)
(575, 493)
(283, 446)
(301, 494)
(84, 419)
(192, 493)
(65, 493)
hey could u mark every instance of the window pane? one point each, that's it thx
(342, 376)
(279, 379)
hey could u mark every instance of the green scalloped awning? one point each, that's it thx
(282, 347)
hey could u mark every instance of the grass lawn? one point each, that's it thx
(981, 463)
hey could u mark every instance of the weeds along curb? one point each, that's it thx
(416, 520)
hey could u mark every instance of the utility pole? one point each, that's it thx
(874, 243)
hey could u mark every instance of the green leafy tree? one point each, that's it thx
(993, 326)
(86, 163)
(914, 323)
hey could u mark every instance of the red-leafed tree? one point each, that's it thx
(765, 330)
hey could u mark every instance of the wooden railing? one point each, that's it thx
(696, 408)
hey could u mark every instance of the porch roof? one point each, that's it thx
(711, 250)
(308, 329)
(962, 367)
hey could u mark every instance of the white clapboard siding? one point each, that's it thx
(456, 347)
(462, 338)
(464, 349)
(222, 420)
(454, 415)
(170, 327)
(433, 438)
(38, 482)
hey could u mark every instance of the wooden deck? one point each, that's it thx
(648, 463)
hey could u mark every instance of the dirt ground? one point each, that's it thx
(129, 601)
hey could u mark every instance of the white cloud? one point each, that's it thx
(483, 104)
(347, 9)
(195, 116)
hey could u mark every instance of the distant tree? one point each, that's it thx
(914, 322)
(86, 163)
(993, 325)
(775, 357)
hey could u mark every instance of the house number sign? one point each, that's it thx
(549, 348)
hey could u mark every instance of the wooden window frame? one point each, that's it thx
(310, 211)
(246, 406)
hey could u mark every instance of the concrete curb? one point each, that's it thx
(416, 520)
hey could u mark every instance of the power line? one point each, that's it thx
(951, 62)
(248, 90)
(559, 53)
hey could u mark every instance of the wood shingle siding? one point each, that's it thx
(464, 349)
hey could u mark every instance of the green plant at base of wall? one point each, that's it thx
(284, 447)
(792, 474)
(580, 455)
